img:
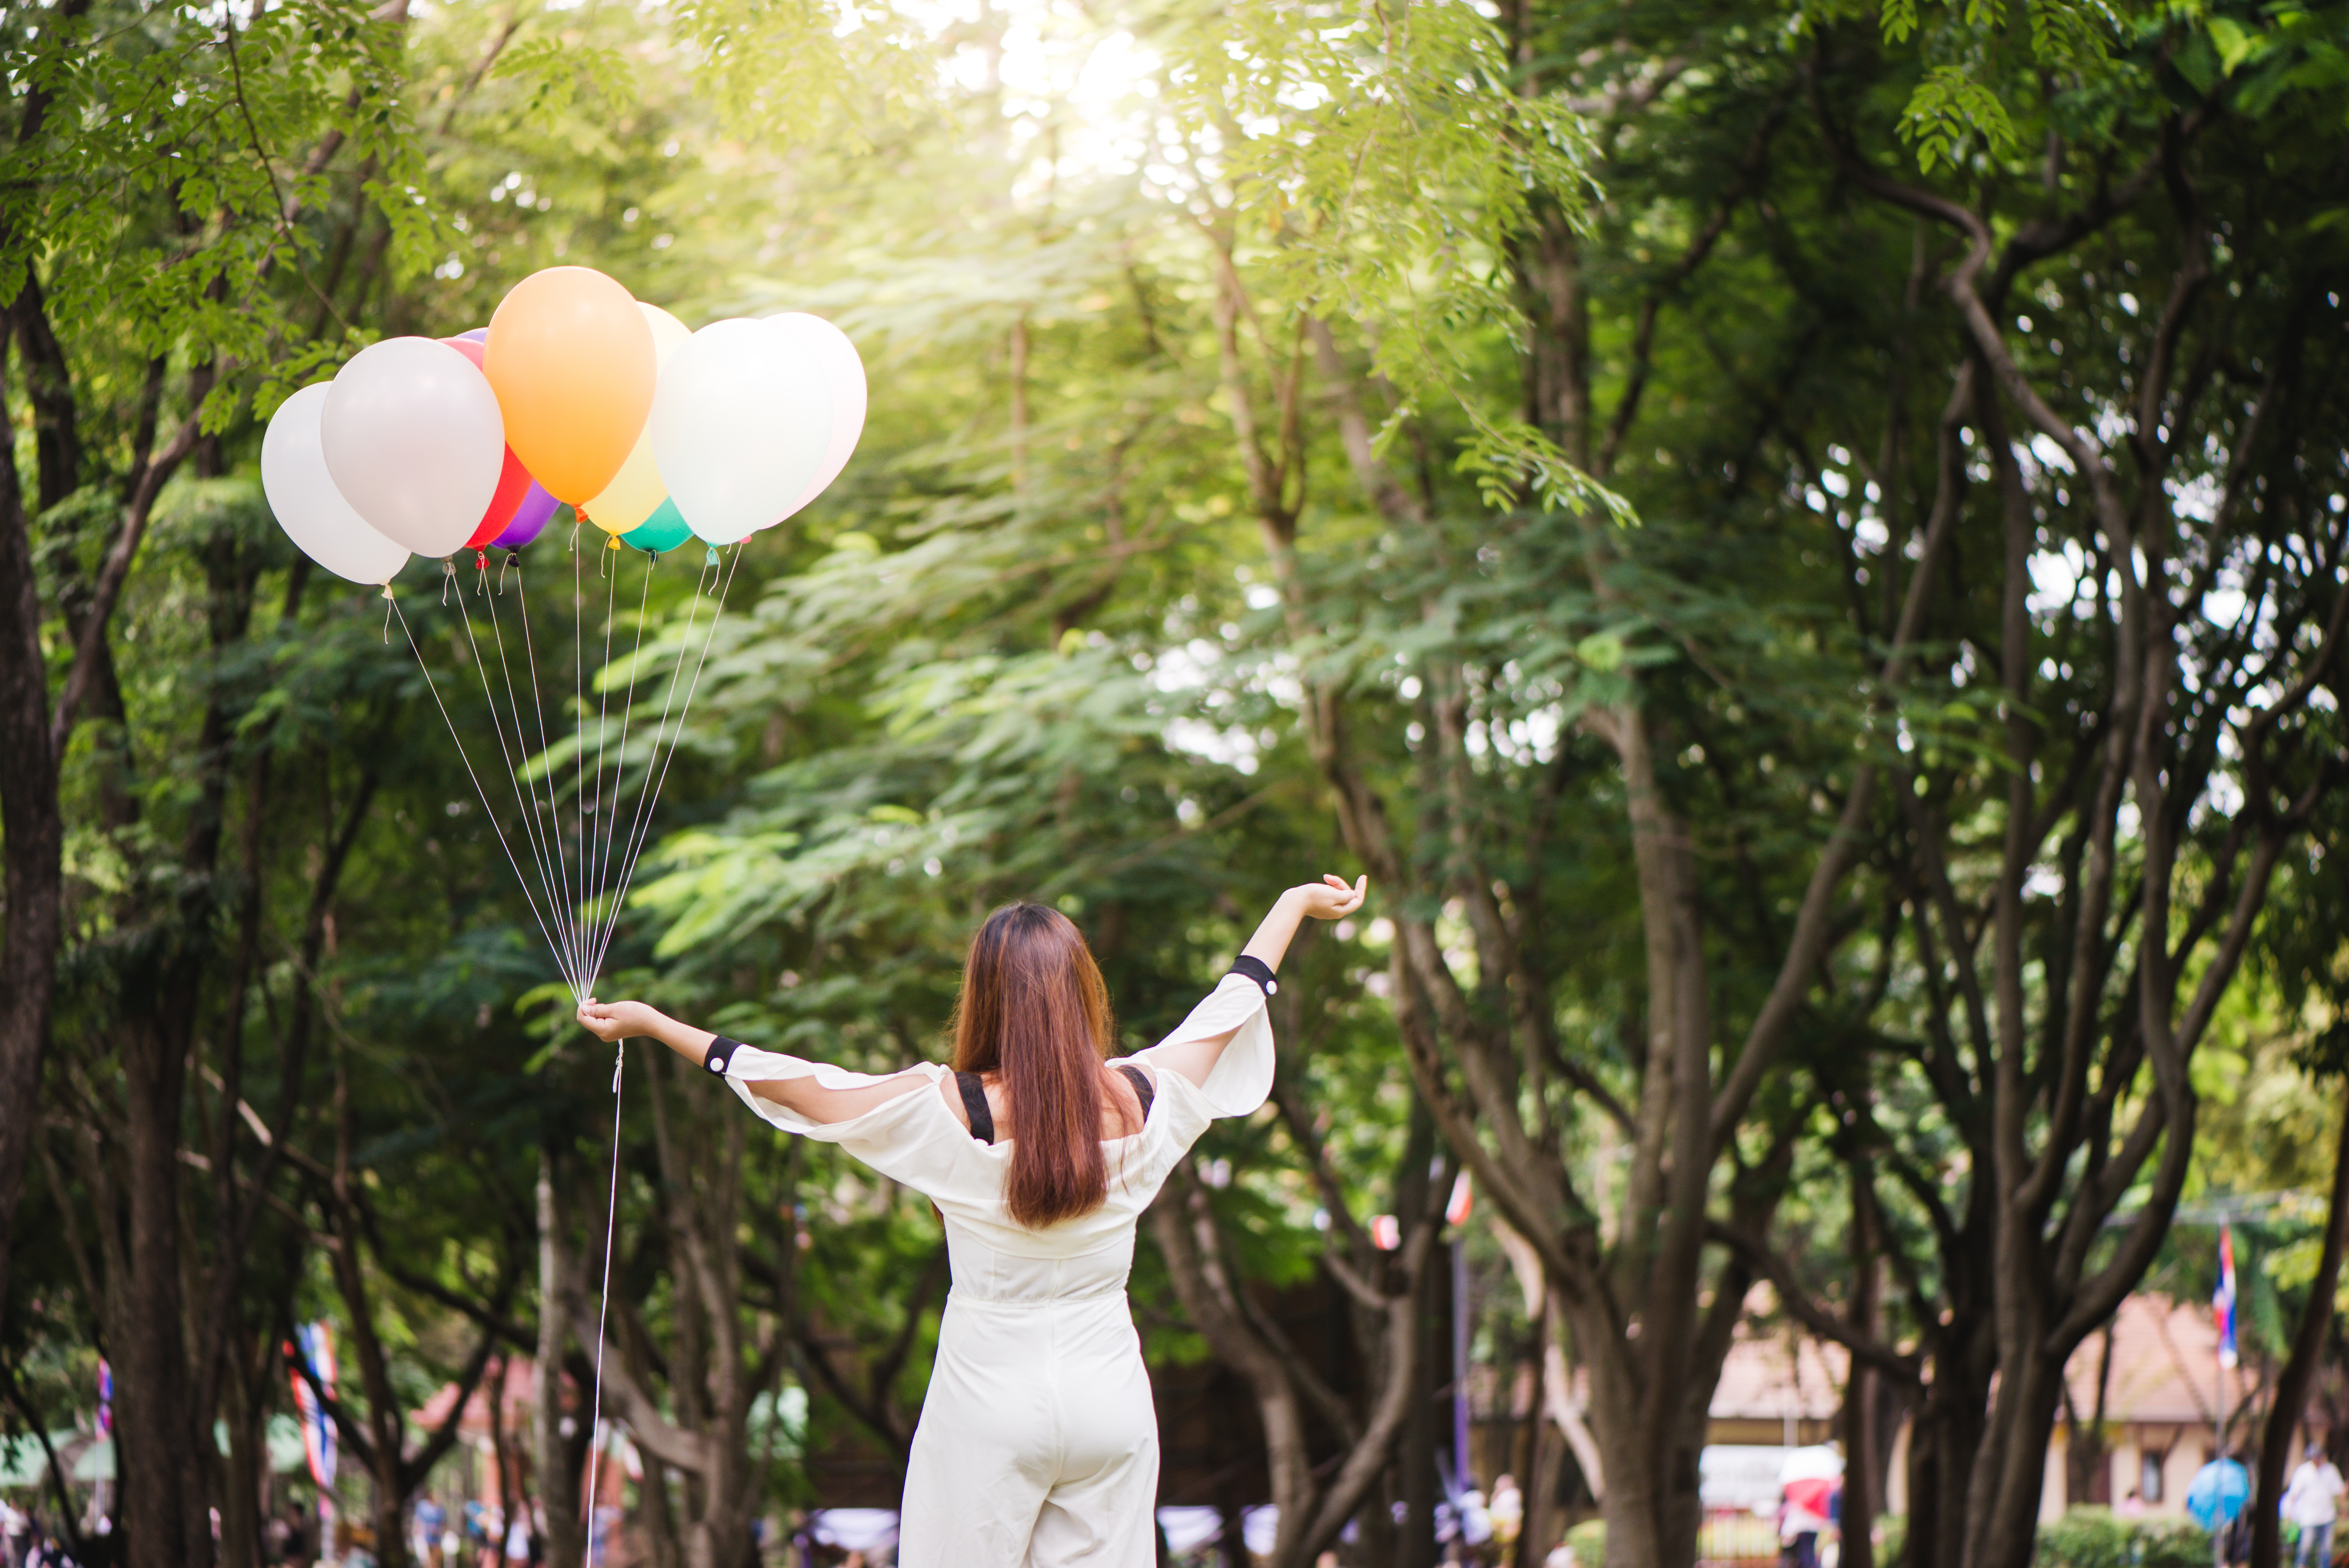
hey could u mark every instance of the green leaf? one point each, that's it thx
(1946, 108)
(1602, 651)
(2235, 42)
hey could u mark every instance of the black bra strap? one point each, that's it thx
(974, 1102)
(1141, 1082)
(982, 1120)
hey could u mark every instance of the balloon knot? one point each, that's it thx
(711, 559)
(387, 590)
(613, 543)
(480, 560)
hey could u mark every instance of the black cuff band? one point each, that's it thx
(721, 1051)
(1257, 970)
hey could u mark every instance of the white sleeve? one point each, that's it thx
(912, 1139)
(1242, 1075)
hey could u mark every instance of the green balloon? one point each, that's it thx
(659, 533)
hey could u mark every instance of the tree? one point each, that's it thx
(2124, 746)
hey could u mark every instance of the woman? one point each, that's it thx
(1038, 1444)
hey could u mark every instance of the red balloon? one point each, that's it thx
(513, 483)
(513, 479)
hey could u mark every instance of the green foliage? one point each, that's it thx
(1948, 105)
(2093, 1538)
(801, 70)
(1377, 169)
(160, 190)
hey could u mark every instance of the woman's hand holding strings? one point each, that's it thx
(609, 1021)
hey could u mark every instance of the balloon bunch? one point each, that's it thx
(574, 394)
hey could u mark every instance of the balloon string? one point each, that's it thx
(554, 825)
(668, 699)
(602, 1305)
(627, 712)
(548, 854)
(629, 874)
(555, 910)
(578, 705)
(591, 885)
(478, 791)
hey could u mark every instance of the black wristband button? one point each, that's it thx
(1257, 970)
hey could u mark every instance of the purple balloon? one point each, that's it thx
(529, 519)
(478, 335)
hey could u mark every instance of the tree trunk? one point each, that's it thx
(244, 1468)
(164, 1504)
(1860, 1492)
(559, 1479)
(2308, 1342)
(32, 841)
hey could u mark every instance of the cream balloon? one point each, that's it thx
(637, 492)
(302, 497)
(415, 441)
(842, 370)
(740, 425)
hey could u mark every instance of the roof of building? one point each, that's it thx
(2165, 1368)
(2165, 1365)
(1770, 1374)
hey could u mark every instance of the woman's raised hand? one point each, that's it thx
(609, 1021)
(1331, 897)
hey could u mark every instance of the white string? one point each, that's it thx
(578, 708)
(537, 702)
(677, 672)
(476, 778)
(579, 961)
(530, 812)
(606, 814)
(590, 879)
(628, 873)
(604, 1303)
(545, 825)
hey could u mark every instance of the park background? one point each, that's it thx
(1799, 546)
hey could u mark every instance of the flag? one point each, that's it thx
(2222, 1305)
(1464, 1199)
(317, 1352)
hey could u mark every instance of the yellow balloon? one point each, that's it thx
(637, 492)
(572, 361)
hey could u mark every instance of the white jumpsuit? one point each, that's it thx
(1038, 1445)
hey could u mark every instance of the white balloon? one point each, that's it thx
(301, 496)
(842, 370)
(740, 425)
(415, 441)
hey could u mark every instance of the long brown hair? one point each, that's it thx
(1033, 1008)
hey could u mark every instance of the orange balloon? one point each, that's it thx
(571, 359)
